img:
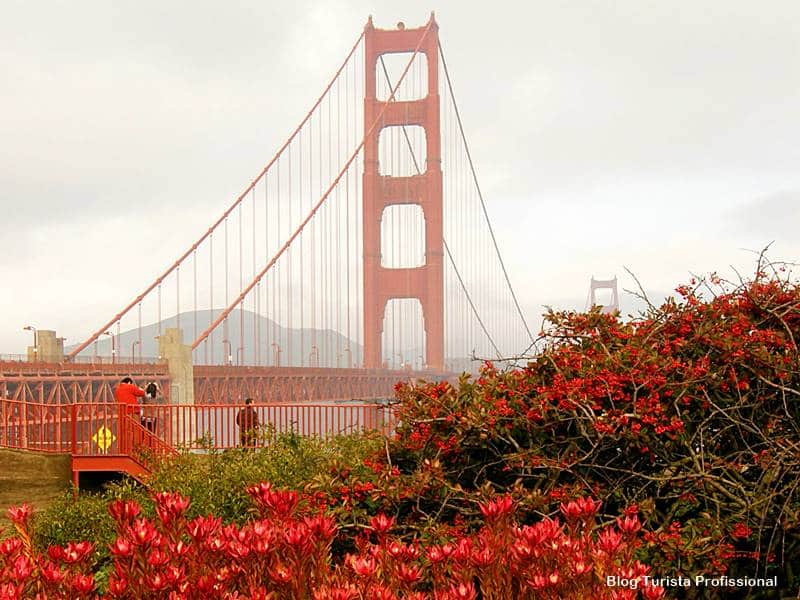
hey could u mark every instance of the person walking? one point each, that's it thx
(247, 420)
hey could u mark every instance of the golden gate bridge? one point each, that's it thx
(360, 255)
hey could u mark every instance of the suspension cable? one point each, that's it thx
(480, 194)
(224, 314)
(444, 242)
(224, 216)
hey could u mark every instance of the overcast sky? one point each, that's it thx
(661, 136)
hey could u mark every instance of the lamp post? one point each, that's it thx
(349, 357)
(133, 350)
(113, 347)
(313, 357)
(228, 357)
(35, 341)
(277, 349)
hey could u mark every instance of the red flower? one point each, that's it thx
(20, 515)
(170, 506)
(121, 547)
(297, 535)
(51, 573)
(10, 546)
(381, 524)
(155, 581)
(363, 566)
(22, 568)
(336, 593)
(202, 527)
(55, 553)
(629, 525)
(322, 527)
(463, 591)
(409, 573)
(83, 584)
(580, 509)
(144, 533)
(652, 592)
(609, 541)
(117, 585)
(75, 553)
(497, 508)
(281, 574)
(157, 558)
(435, 555)
(124, 511)
(741, 531)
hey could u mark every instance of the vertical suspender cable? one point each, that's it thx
(194, 293)
(241, 286)
(289, 274)
(277, 306)
(302, 241)
(210, 297)
(177, 297)
(348, 339)
(480, 195)
(337, 229)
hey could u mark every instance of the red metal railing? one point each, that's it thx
(98, 428)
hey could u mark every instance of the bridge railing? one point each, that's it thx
(100, 429)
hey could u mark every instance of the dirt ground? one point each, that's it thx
(31, 477)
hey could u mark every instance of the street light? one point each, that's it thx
(35, 341)
(133, 350)
(113, 346)
(313, 357)
(349, 358)
(278, 351)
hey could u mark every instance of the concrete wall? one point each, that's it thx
(33, 477)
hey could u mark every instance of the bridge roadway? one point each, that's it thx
(67, 383)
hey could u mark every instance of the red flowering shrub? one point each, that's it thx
(689, 414)
(285, 554)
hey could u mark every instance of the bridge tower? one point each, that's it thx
(604, 284)
(425, 282)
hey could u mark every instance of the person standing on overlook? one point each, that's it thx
(126, 394)
(152, 397)
(247, 420)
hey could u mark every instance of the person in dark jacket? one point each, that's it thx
(247, 420)
(151, 398)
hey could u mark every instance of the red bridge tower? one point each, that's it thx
(425, 190)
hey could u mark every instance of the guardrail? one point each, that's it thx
(100, 429)
(122, 359)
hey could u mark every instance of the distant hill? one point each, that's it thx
(331, 344)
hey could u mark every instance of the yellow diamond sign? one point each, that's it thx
(104, 438)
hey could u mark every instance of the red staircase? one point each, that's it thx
(138, 450)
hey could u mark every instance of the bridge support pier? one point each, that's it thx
(181, 374)
(179, 363)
